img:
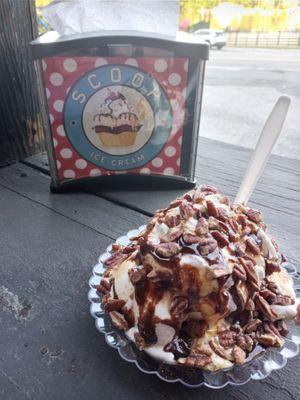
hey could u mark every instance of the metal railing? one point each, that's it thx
(263, 39)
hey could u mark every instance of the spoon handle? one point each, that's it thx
(265, 144)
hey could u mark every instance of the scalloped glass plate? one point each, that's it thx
(258, 367)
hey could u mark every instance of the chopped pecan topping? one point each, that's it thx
(189, 238)
(115, 259)
(250, 305)
(104, 286)
(179, 307)
(172, 220)
(195, 328)
(202, 227)
(267, 294)
(118, 320)
(242, 220)
(221, 351)
(282, 327)
(252, 278)
(245, 342)
(173, 234)
(239, 355)
(212, 209)
(239, 272)
(283, 300)
(252, 325)
(271, 267)
(136, 276)
(272, 286)
(207, 245)
(208, 189)
(198, 361)
(114, 305)
(220, 238)
(252, 246)
(186, 210)
(227, 338)
(269, 327)
(139, 341)
(167, 249)
(263, 306)
(268, 339)
(254, 215)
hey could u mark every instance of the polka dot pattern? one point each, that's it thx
(160, 65)
(70, 65)
(174, 79)
(132, 62)
(80, 163)
(157, 162)
(66, 153)
(69, 173)
(61, 73)
(56, 79)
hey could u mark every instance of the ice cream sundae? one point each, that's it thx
(203, 286)
(117, 124)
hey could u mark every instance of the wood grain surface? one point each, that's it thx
(49, 347)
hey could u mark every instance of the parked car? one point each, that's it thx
(213, 37)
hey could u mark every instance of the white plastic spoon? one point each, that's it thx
(265, 144)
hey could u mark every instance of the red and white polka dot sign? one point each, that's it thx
(61, 73)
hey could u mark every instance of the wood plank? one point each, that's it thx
(85, 208)
(49, 346)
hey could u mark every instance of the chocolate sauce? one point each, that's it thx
(178, 347)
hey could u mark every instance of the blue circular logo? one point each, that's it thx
(117, 117)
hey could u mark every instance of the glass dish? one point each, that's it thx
(259, 367)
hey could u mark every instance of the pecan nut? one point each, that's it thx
(263, 306)
(239, 272)
(118, 320)
(173, 234)
(186, 210)
(167, 249)
(252, 325)
(254, 215)
(212, 209)
(271, 267)
(245, 342)
(252, 246)
(207, 245)
(268, 339)
(283, 300)
(115, 259)
(195, 328)
(239, 355)
(198, 361)
(220, 238)
(189, 238)
(202, 227)
(227, 338)
(172, 220)
(104, 286)
(114, 305)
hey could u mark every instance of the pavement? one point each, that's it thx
(241, 87)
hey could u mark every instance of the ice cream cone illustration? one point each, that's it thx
(117, 124)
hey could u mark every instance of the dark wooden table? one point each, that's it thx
(49, 347)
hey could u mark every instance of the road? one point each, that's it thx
(241, 87)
